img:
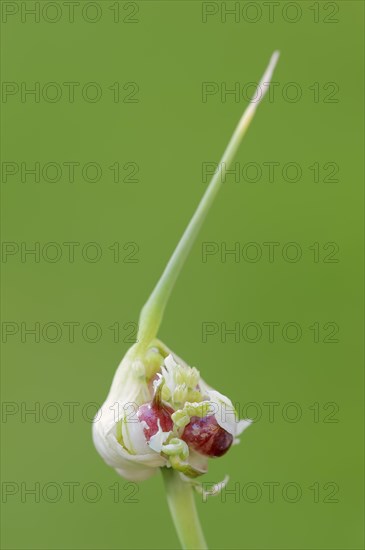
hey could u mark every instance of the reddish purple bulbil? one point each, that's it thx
(206, 437)
(151, 413)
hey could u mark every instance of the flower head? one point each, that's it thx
(160, 412)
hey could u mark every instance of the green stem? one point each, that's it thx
(152, 311)
(181, 502)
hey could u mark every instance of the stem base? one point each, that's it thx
(182, 506)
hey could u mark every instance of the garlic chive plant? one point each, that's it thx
(160, 414)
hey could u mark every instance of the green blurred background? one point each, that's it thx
(297, 476)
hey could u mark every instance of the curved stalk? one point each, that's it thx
(181, 502)
(152, 312)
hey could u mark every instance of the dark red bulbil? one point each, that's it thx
(207, 437)
(151, 413)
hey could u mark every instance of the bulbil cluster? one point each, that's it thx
(177, 420)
